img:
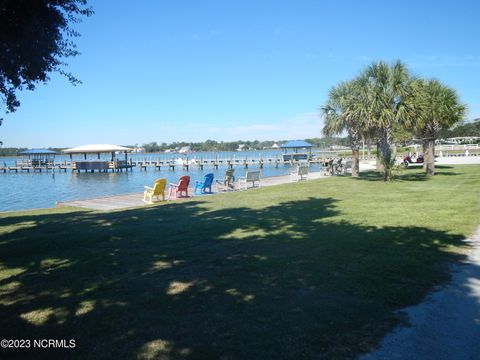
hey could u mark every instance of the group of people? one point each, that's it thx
(333, 166)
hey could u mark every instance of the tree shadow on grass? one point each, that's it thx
(408, 174)
(185, 281)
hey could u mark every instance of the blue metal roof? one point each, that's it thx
(37, 152)
(296, 144)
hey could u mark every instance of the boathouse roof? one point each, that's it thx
(296, 144)
(96, 148)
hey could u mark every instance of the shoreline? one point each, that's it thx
(134, 199)
(124, 201)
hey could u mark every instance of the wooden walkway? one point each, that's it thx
(116, 202)
(107, 203)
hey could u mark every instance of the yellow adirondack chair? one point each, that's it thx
(157, 190)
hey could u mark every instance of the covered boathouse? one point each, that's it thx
(92, 159)
(36, 158)
(296, 150)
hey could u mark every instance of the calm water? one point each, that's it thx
(40, 190)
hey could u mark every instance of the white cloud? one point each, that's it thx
(301, 126)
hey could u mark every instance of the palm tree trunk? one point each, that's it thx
(429, 156)
(379, 165)
(424, 152)
(355, 162)
(386, 154)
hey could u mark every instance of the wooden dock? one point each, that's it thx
(49, 168)
(186, 165)
(164, 164)
(216, 163)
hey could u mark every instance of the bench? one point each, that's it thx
(250, 177)
(347, 167)
(299, 173)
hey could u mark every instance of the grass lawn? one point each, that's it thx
(302, 270)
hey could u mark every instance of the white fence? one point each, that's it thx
(457, 150)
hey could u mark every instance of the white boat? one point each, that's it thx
(184, 150)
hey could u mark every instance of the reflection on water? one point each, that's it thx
(40, 190)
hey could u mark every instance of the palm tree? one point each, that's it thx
(438, 108)
(342, 112)
(386, 89)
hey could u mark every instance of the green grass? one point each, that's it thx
(303, 270)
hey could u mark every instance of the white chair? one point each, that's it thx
(250, 177)
(299, 173)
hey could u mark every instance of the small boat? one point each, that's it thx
(185, 150)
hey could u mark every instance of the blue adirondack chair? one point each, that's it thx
(205, 186)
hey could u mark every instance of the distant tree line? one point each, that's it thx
(10, 151)
(212, 145)
(208, 145)
(471, 128)
(326, 142)
(13, 151)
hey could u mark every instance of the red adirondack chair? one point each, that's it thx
(179, 190)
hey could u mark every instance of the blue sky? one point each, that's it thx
(228, 70)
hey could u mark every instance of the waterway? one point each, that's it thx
(33, 190)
